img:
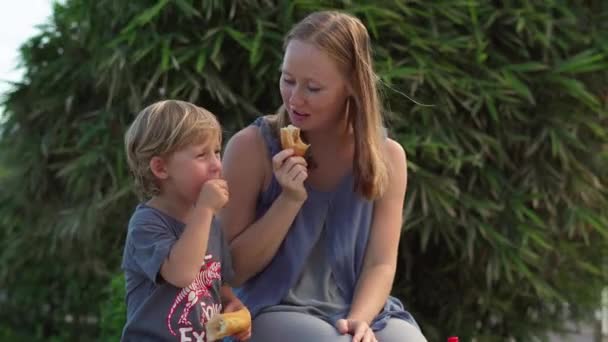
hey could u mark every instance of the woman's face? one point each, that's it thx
(313, 88)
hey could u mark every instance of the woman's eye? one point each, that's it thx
(313, 89)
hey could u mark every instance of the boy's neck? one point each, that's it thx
(172, 207)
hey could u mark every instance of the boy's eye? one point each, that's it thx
(207, 154)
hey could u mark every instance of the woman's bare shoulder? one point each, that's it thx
(246, 154)
(245, 137)
(395, 152)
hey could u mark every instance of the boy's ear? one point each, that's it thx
(159, 167)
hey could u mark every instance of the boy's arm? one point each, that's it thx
(187, 254)
(230, 302)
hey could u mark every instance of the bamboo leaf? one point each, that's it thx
(166, 55)
(146, 16)
(239, 37)
(201, 61)
(187, 9)
(586, 61)
(256, 46)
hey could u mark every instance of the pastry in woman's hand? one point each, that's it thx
(290, 138)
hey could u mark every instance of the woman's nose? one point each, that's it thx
(296, 99)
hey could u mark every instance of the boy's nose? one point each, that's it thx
(217, 164)
(215, 171)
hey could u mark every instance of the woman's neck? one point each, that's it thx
(335, 144)
(338, 134)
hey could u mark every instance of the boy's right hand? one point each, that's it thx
(291, 172)
(213, 195)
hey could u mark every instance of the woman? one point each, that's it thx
(314, 241)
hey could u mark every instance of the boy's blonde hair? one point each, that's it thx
(345, 39)
(162, 129)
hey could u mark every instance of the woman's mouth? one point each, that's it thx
(299, 116)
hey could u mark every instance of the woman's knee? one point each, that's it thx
(293, 327)
(398, 330)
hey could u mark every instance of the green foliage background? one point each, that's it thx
(506, 213)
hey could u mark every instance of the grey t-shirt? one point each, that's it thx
(316, 292)
(157, 310)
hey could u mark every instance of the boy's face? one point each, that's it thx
(190, 167)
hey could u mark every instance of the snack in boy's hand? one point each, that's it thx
(228, 324)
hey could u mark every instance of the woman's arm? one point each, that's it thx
(376, 280)
(247, 169)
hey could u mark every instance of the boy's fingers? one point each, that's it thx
(244, 336)
(231, 306)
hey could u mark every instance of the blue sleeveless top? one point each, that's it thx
(347, 217)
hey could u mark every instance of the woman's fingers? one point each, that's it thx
(295, 170)
(370, 336)
(279, 158)
(342, 326)
(301, 177)
(359, 333)
(290, 171)
(291, 168)
(364, 334)
(291, 162)
(284, 157)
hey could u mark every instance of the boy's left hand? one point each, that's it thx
(234, 304)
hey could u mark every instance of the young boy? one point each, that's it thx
(175, 258)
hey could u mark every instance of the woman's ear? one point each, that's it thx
(350, 92)
(158, 166)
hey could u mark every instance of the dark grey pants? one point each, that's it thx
(301, 327)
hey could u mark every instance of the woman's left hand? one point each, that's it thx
(234, 304)
(360, 330)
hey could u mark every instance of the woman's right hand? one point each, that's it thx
(290, 171)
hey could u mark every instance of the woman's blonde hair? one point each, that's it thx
(162, 129)
(346, 40)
